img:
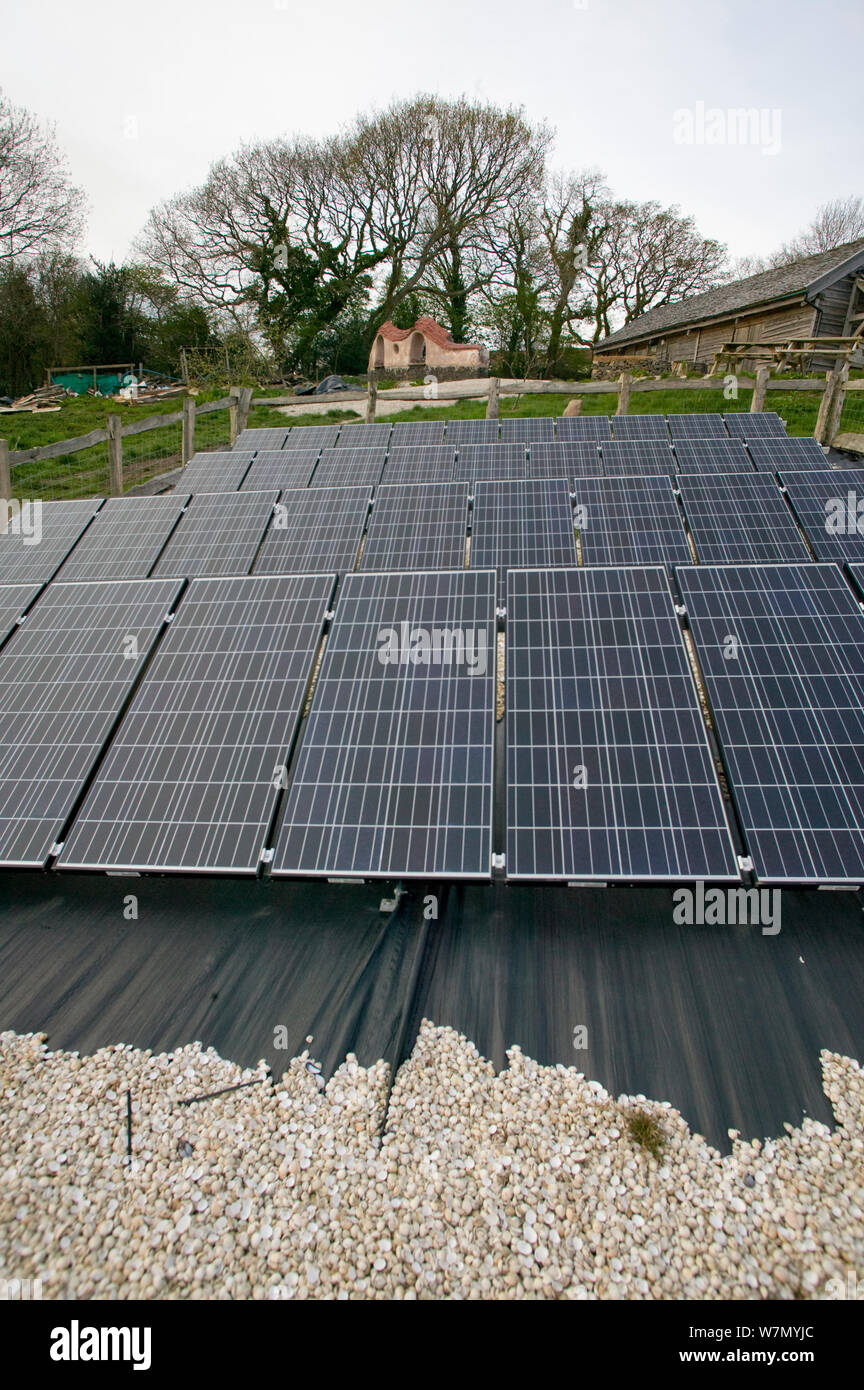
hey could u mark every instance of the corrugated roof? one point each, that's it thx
(795, 278)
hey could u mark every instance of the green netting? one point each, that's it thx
(80, 382)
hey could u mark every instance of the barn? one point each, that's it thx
(819, 296)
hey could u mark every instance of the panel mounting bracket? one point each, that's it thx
(266, 856)
(745, 863)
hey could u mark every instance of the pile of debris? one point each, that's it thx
(43, 398)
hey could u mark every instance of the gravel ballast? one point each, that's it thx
(531, 1183)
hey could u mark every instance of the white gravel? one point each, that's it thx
(525, 1184)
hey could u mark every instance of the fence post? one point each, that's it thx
(115, 454)
(492, 402)
(233, 414)
(760, 390)
(837, 403)
(371, 402)
(625, 381)
(244, 405)
(5, 471)
(188, 429)
(823, 420)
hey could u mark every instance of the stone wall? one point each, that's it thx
(419, 372)
(610, 368)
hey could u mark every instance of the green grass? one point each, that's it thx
(645, 1132)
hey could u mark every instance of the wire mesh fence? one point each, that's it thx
(852, 414)
(212, 430)
(83, 474)
(147, 455)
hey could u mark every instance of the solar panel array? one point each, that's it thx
(417, 432)
(219, 533)
(39, 535)
(125, 538)
(421, 526)
(712, 456)
(471, 432)
(280, 468)
(315, 529)
(781, 650)
(192, 777)
(755, 424)
(490, 461)
(14, 600)
(364, 436)
(527, 430)
(686, 426)
(420, 463)
(736, 519)
(630, 457)
(522, 524)
(640, 427)
(349, 467)
(829, 503)
(394, 773)
(629, 521)
(583, 427)
(310, 437)
(216, 472)
(64, 676)
(782, 453)
(262, 439)
(609, 773)
(564, 459)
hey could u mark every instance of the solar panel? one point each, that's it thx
(696, 426)
(420, 463)
(349, 468)
(527, 429)
(737, 518)
(192, 776)
(769, 455)
(712, 456)
(583, 427)
(564, 459)
(515, 525)
(781, 648)
(364, 436)
(471, 432)
(64, 677)
(315, 529)
(414, 432)
(755, 424)
(216, 472)
(262, 439)
(423, 526)
(394, 773)
(14, 599)
(280, 468)
(630, 521)
(640, 427)
(609, 772)
(312, 437)
(631, 457)
(488, 461)
(126, 538)
(829, 503)
(38, 536)
(219, 533)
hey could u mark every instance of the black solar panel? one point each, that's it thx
(781, 648)
(640, 427)
(420, 526)
(829, 503)
(755, 424)
(739, 518)
(280, 468)
(38, 536)
(471, 432)
(262, 439)
(769, 455)
(632, 457)
(219, 533)
(488, 461)
(14, 598)
(564, 459)
(216, 472)
(712, 456)
(516, 525)
(629, 521)
(583, 427)
(420, 463)
(315, 529)
(312, 437)
(609, 772)
(696, 426)
(64, 676)
(126, 538)
(413, 432)
(527, 429)
(394, 773)
(191, 779)
(349, 468)
(365, 436)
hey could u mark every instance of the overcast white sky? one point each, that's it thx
(144, 97)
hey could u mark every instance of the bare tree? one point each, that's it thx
(835, 224)
(39, 207)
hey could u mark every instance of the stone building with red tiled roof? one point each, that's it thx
(426, 346)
